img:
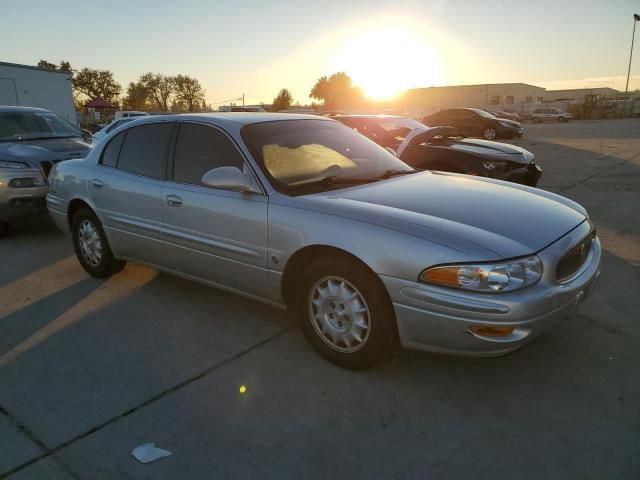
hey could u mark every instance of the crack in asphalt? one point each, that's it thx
(34, 438)
(50, 452)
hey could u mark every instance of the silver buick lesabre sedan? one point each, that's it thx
(304, 213)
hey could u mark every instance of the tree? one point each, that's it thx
(160, 88)
(63, 66)
(97, 83)
(137, 97)
(337, 91)
(47, 65)
(188, 92)
(283, 100)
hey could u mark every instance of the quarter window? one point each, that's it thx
(199, 149)
(111, 151)
(144, 151)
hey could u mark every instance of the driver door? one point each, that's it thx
(216, 235)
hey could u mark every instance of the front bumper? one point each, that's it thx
(20, 202)
(526, 175)
(440, 319)
(510, 132)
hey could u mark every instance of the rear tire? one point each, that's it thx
(345, 312)
(489, 133)
(92, 247)
(4, 228)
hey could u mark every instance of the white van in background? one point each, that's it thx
(129, 113)
(542, 114)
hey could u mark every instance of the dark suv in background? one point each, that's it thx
(474, 122)
(32, 140)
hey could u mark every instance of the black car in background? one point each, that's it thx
(474, 122)
(32, 140)
(446, 148)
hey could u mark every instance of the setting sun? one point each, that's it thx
(385, 60)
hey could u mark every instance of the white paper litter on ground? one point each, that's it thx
(148, 452)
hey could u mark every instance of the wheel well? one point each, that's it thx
(295, 265)
(75, 205)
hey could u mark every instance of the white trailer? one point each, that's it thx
(26, 86)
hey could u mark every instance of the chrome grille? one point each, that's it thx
(575, 258)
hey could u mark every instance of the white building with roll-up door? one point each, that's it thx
(27, 86)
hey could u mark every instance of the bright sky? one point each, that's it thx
(257, 47)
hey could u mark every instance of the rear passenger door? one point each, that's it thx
(127, 190)
(215, 235)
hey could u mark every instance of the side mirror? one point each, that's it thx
(228, 178)
(86, 135)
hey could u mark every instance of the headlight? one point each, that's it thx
(7, 164)
(489, 278)
(506, 124)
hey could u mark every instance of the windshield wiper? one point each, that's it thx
(394, 173)
(337, 180)
(25, 138)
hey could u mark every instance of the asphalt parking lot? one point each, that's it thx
(90, 369)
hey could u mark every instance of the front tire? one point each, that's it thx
(489, 133)
(92, 247)
(345, 312)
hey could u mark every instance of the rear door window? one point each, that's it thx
(111, 151)
(144, 151)
(200, 148)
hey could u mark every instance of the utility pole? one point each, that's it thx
(634, 29)
(636, 18)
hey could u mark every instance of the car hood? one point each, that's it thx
(513, 123)
(35, 151)
(493, 149)
(506, 220)
(487, 148)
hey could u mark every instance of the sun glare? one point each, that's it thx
(386, 60)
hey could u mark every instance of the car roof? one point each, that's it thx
(242, 118)
(22, 109)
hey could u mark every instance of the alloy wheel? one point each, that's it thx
(339, 314)
(90, 243)
(489, 134)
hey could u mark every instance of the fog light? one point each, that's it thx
(26, 182)
(489, 331)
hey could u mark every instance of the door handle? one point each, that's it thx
(97, 183)
(174, 201)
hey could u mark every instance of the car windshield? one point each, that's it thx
(482, 113)
(297, 155)
(34, 125)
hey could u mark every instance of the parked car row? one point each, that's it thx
(446, 148)
(304, 213)
(365, 247)
(474, 122)
(32, 140)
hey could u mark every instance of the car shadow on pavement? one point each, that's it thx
(24, 322)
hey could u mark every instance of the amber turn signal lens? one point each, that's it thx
(447, 276)
(488, 331)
